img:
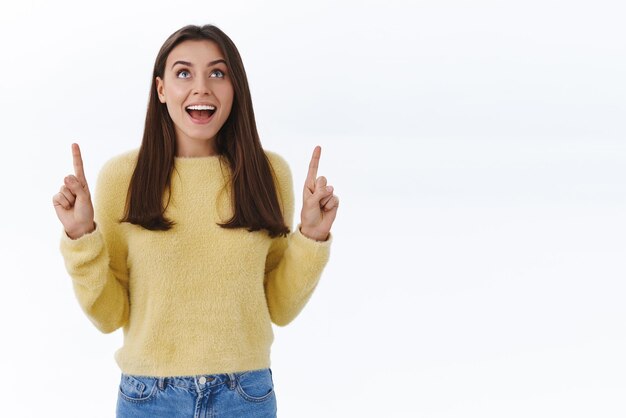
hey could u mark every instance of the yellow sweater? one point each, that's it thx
(197, 299)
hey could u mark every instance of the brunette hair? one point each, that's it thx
(254, 196)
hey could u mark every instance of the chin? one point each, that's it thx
(197, 136)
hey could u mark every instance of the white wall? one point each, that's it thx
(478, 149)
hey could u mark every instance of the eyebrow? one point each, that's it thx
(187, 63)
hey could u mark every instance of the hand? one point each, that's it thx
(73, 202)
(319, 204)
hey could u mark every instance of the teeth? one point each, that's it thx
(201, 107)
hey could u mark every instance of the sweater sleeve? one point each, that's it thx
(96, 261)
(294, 263)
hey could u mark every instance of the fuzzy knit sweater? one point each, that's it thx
(197, 299)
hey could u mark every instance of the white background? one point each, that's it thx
(478, 149)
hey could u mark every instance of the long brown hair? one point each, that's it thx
(254, 196)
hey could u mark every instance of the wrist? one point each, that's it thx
(77, 234)
(313, 236)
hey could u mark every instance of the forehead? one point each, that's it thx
(196, 52)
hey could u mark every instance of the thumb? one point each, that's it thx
(76, 187)
(322, 192)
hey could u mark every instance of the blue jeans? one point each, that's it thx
(247, 394)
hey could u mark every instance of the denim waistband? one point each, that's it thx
(199, 381)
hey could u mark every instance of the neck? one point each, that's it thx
(189, 148)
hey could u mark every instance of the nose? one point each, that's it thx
(202, 86)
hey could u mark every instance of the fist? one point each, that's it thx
(73, 202)
(319, 204)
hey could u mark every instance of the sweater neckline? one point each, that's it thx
(194, 166)
(204, 157)
(198, 161)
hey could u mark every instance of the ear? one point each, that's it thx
(159, 87)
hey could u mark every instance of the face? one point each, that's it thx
(198, 92)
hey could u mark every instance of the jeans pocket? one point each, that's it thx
(256, 385)
(137, 388)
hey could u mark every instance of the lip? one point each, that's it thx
(201, 104)
(197, 121)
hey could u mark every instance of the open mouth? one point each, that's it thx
(201, 113)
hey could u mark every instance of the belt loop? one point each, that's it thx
(161, 383)
(231, 381)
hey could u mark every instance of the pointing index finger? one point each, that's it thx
(78, 164)
(312, 175)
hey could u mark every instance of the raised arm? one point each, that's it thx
(93, 247)
(294, 263)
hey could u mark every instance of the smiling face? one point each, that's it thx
(198, 92)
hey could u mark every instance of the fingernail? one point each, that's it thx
(329, 188)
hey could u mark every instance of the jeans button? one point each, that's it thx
(202, 380)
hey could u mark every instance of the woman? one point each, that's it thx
(187, 246)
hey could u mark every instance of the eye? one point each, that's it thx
(220, 72)
(183, 74)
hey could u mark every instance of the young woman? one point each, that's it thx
(188, 245)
